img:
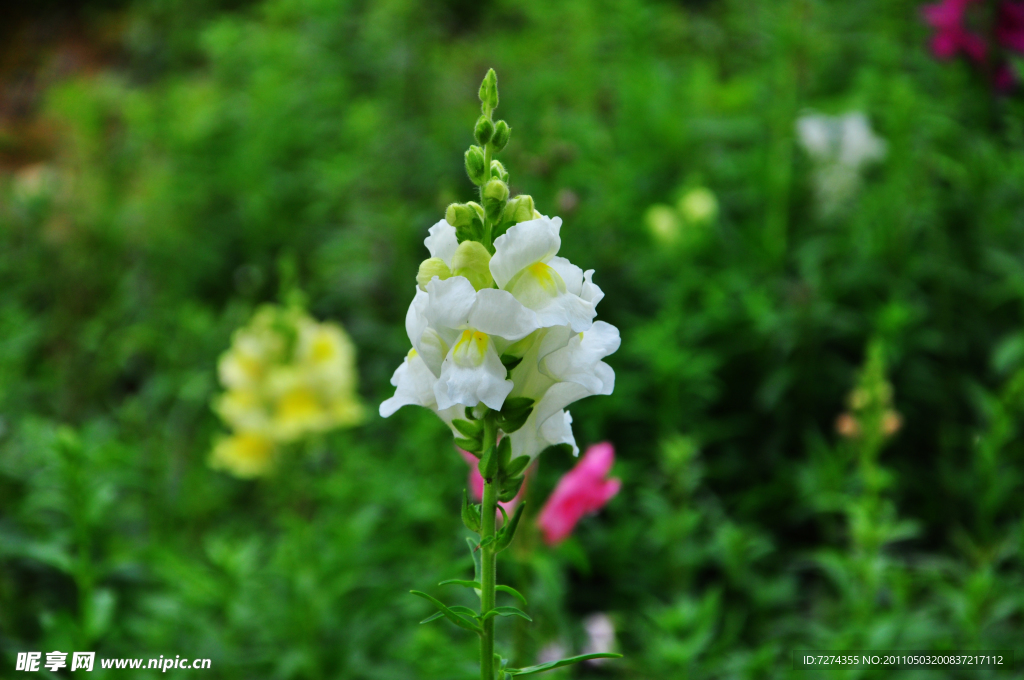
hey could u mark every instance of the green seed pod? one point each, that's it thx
(430, 268)
(484, 130)
(498, 171)
(501, 134)
(475, 166)
(471, 260)
(518, 209)
(495, 196)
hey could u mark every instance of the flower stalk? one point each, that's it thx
(488, 558)
(503, 340)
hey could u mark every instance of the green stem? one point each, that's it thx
(487, 176)
(488, 564)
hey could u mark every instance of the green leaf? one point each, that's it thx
(504, 453)
(459, 609)
(458, 582)
(516, 404)
(511, 591)
(508, 531)
(514, 412)
(432, 617)
(510, 362)
(458, 619)
(558, 664)
(505, 611)
(470, 513)
(474, 552)
(488, 465)
(517, 465)
(471, 429)
(471, 445)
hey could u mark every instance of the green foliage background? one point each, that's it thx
(228, 135)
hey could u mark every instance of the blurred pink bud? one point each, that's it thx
(476, 482)
(951, 37)
(582, 490)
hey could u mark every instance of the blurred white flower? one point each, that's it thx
(841, 147)
(600, 636)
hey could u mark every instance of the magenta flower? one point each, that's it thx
(951, 37)
(1010, 27)
(582, 490)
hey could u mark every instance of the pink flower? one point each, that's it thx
(476, 482)
(1010, 27)
(947, 18)
(582, 490)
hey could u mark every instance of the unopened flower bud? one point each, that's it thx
(847, 426)
(463, 214)
(430, 268)
(698, 206)
(495, 196)
(471, 260)
(498, 171)
(663, 224)
(489, 91)
(501, 134)
(518, 209)
(891, 423)
(475, 166)
(484, 130)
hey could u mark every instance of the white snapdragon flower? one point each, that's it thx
(559, 368)
(541, 315)
(526, 264)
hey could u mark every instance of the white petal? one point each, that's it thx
(566, 310)
(471, 385)
(570, 273)
(577, 361)
(558, 430)
(449, 302)
(415, 386)
(558, 397)
(442, 241)
(531, 438)
(432, 349)
(416, 317)
(591, 292)
(522, 245)
(496, 312)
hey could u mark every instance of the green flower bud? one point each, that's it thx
(501, 134)
(475, 167)
(518, 209)
(463, 214)
(430, 268)
(489, 92)
(663, 224)
(495, 196)
(498, 171)
(698, 206)
(483, 131)
(471, 260)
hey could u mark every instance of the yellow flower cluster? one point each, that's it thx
(285, 376)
